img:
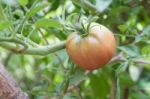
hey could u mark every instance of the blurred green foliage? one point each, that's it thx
(54, 76)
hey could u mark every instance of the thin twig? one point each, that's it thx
(8, 57)
(79, 91)
(117, 57)
(117, 87)
(140, 61)
(112, 89)
(126, 93)
(43, 36)
(60, 60)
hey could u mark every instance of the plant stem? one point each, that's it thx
(117, 88)
(7, 59)
(42, 50)
(5, 17)
(25, 39)
(126, 93)
(14, 40)
(27, 16)
(112, 90)
(60, 61)
(79, 91)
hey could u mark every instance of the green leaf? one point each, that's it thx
(35, 37)
(55, 4)
(77, 77)
(19, 13)
(145, 34)
(130, 50)
(100, 86)
(122, 67)
(38, 90)
(59, 34)
(122, 28)
(5, 24)
(101, 5)
(147, 30)
(39, 6)
(146, 50)
(69, 96)
(23, 2)
(138, 38)
(125, 79)
(47, 23)
(138, 95)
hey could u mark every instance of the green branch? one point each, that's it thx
(42, 50)
(15, 41)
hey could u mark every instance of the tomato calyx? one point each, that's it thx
(78, 23)
(83, 26)
(82, 30)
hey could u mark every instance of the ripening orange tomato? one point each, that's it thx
(93, 50)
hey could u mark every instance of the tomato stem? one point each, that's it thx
(84, 35)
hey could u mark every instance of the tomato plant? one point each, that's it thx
(103, 49)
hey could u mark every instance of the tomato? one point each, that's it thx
(94, 50)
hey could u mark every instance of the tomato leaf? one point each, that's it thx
(35, 37)
(147, 30)
(77, 77)
(145, 34)
(100, 86)
(138, 95)
(122, 28)
(23, 2)
(125, 79)
(55, 4)
(39, 6)
(138, 38)
(5, 24)
(130, 50)
(146, 50)
(47, 23)
(69, 96)
(101, 5)
(122, 67)
(58, 33)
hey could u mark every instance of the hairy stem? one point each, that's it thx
(112, 90)
(42, 50)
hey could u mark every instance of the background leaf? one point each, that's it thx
(38, 7)
(47, 23)
(130, 50)
(5, 24)
(101, 5)
(23, 2)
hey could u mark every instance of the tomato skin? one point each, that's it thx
(93, 51)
